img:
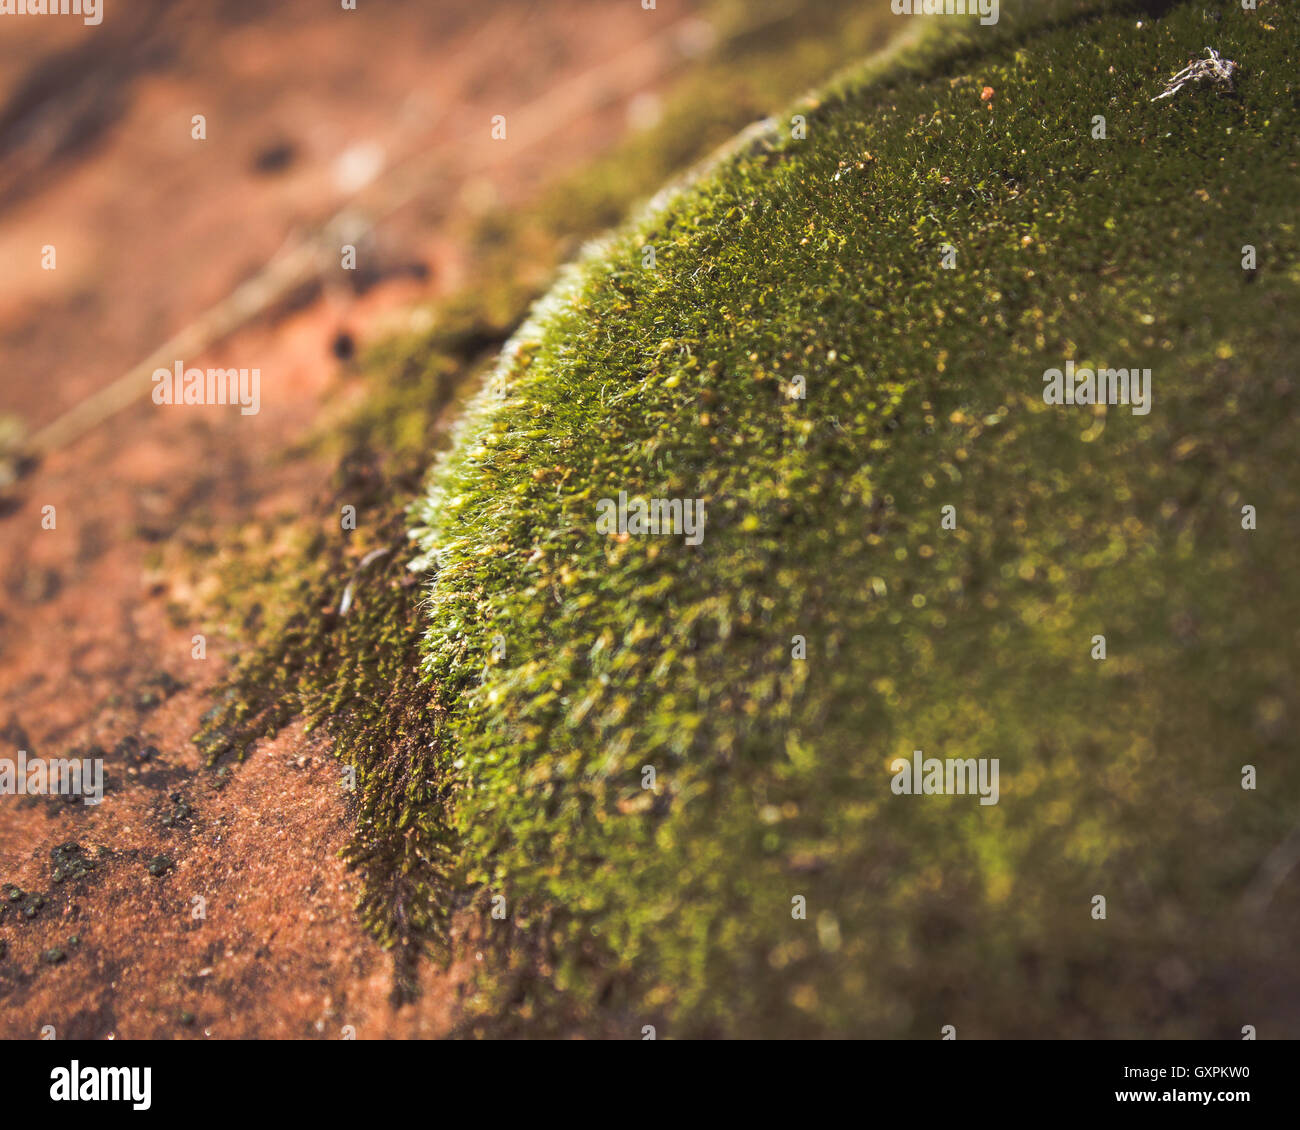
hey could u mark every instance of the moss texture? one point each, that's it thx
(283, 582)
(563, 662)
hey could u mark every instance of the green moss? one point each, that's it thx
(562, 662)
(357, 674)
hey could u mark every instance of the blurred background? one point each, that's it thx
(307, 107)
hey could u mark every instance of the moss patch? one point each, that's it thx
(285, 583)
(564, 663)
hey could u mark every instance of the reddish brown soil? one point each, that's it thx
(151, 229)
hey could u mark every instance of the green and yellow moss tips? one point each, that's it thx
(566, 664)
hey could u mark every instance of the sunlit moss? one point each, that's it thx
(565, 662)
(283, 580)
